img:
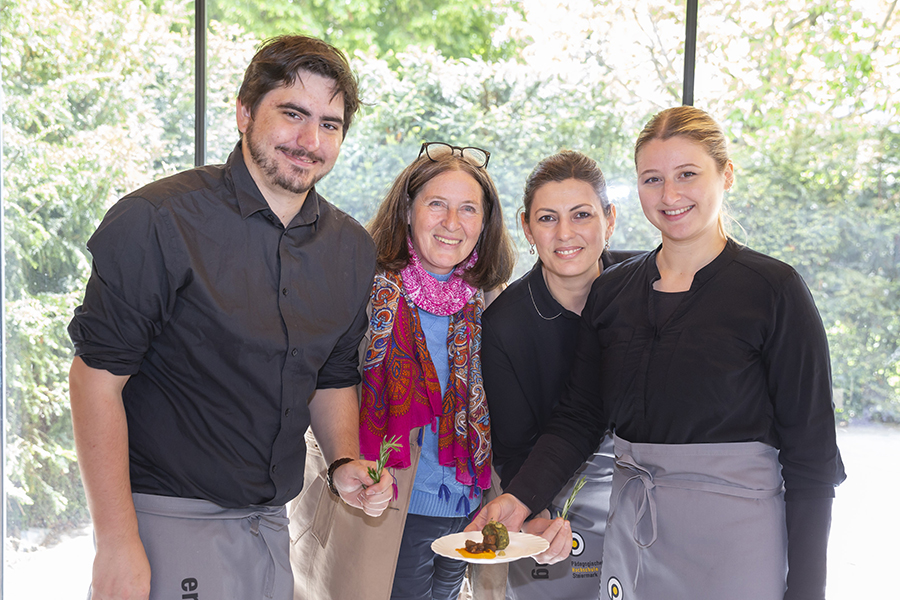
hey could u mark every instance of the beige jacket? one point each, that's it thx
(338, 552)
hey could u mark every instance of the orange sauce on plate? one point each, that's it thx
(485, 554)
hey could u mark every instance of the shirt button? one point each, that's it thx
(294, 352)
(287, 411)
(274, 468)
(284, 291)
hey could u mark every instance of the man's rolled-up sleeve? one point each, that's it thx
(131, 290)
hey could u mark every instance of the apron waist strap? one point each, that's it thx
(637, 472)
(265, 526)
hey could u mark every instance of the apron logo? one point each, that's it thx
(614, 589)
(189, 585)
(577, 544)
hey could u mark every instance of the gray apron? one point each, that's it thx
(695, 521)
(200, 550)
(579, 575)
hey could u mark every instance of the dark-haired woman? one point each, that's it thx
(710, 364)
(528, 349)
(440, 242)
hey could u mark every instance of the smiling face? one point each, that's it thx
(567, 225)
(681, 190)
(294, 138)
(446, 219)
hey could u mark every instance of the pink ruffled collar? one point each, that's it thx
(440, 298)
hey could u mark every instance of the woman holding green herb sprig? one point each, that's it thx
(440, 243)
(529, 346)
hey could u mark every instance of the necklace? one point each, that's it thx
(534, 304)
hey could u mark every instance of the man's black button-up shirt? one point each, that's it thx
(227, 323)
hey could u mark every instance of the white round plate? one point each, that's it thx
(521, 545)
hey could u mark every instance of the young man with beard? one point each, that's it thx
(221, 319)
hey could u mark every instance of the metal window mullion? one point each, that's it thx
(200, 25)
(690, 53)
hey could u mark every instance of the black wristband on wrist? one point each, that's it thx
(329, 479)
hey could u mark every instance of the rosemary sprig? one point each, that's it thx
(578, 485)
(386, 448)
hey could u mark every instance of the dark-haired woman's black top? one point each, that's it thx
(527, 347)
(742, 358)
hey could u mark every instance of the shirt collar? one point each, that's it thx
(725, 257)
(606, 259)
(251, 200)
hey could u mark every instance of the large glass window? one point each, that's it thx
(98, 100)
(810, 97)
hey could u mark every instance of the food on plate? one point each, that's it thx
(495, 535)
(495, 539)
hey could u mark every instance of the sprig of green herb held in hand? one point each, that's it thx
(578, 485)
(386, 448)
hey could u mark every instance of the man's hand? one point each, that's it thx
(334, 414)
(507, 509)
(357, 489)
(121, 572)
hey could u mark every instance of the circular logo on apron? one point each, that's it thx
(614, 589)
(577, 544)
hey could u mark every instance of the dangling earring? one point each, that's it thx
(606, 246)
(531, 251)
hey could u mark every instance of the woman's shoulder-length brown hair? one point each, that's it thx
(390, 226)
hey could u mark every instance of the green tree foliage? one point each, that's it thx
(87, 89)
(809, 93)
(812, 106)
(455, 28)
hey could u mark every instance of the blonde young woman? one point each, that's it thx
(709, 362)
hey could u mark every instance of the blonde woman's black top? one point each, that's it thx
(743, 357)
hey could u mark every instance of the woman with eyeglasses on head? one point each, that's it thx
(528, 348)
(709, 363)
(441, 245)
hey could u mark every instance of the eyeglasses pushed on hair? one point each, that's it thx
(474, 156)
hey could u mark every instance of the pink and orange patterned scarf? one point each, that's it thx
(400, 389)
